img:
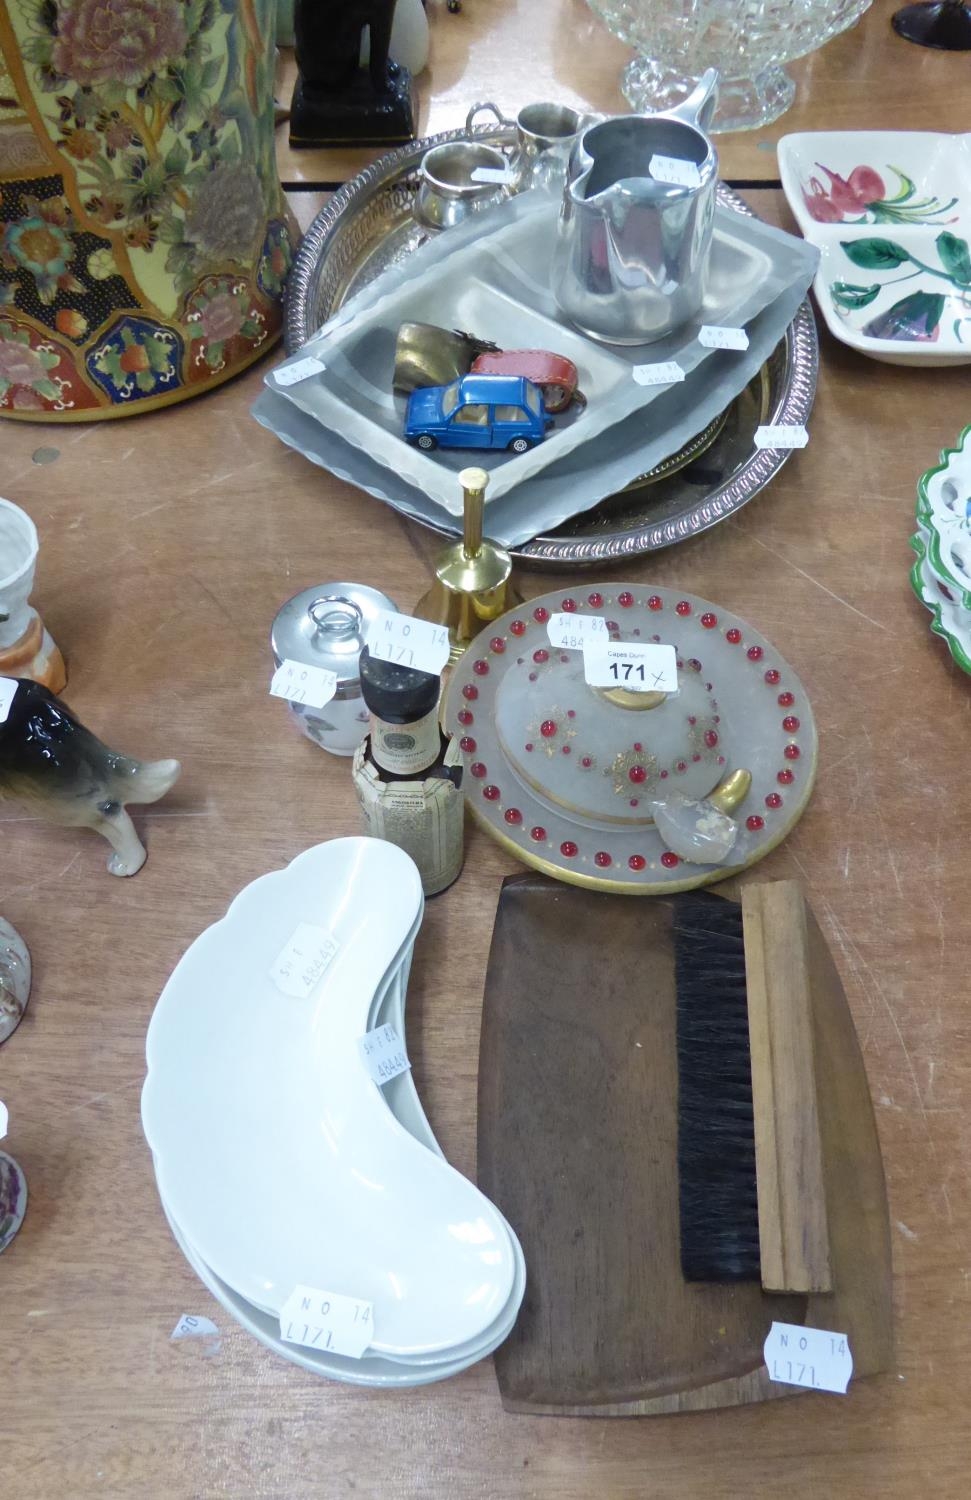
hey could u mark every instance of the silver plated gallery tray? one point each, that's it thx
(368, 226)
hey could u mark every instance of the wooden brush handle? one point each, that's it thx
(793, 1228)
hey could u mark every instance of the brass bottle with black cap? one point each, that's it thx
(408, 773)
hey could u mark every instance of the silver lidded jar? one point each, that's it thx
(327, 627)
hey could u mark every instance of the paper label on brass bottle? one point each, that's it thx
(814, 1358)
(8, 690)
(424, 818)
(406, 749)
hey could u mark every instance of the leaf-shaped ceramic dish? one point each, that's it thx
(950, 621)
(944, 510)
(275, 1153)
(891, 213)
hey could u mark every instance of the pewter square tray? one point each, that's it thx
(491, 275)
(368, 226)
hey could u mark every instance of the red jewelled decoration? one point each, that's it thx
(541, 655)
(791, 752)
(709, 620)
(682, 607)
(786, 700)
(498, 644)
(773, 800)
(568, 849)
(480, 668)
(568, 605)
(595, 600)
(754, 823)
(711, 738)
(772, 676)
(669, 859)
(626, 599)
(790, 723)
(465, 717)
(785, 777)
(491, 793)
(637, 774)
(513, 815)
(655, 602)
(637, 862)
(548, 728)
(541, 614)
(470, 692)
(538, 834)
(603, 859)
(467, 743)
(755, 653)
(734, 635)
(518, 627)
(477, 769)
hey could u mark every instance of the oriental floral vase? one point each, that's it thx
(144, 236)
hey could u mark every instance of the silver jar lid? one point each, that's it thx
(327, 627)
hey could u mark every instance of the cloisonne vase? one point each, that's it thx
(144, 236)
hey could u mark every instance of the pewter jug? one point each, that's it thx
(634, 233)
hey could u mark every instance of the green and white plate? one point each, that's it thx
(944, 511)
(951, 622)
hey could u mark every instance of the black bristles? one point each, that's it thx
(716, 1127)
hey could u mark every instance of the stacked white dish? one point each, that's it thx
(941, 576)
(281, 1164)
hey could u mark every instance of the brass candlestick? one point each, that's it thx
(473, 583)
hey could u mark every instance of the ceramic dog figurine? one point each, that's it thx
(53, 764)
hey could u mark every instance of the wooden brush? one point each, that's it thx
(750, 1162)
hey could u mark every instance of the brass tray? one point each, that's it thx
(368, 225)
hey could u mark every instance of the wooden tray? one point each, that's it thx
(577, 1146)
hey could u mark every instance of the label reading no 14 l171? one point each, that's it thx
(327, 1321)
(641, 667)
(408, 642)
(311, 686)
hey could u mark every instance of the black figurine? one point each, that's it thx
(65, 774)
(337, 102)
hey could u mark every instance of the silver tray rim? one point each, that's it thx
(793, 405)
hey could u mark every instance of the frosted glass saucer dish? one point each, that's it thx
(891, 214)
(491, 275)
(239, 1113)
(563, 779)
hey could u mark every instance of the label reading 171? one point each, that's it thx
(640, 667)
(325, 1320)
(816, 1358)
(408, 642)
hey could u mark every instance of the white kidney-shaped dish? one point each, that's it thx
(275, 1152)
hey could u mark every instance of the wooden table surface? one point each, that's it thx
(516, 51)
(168, 541)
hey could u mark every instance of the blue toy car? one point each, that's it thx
(478, 411)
